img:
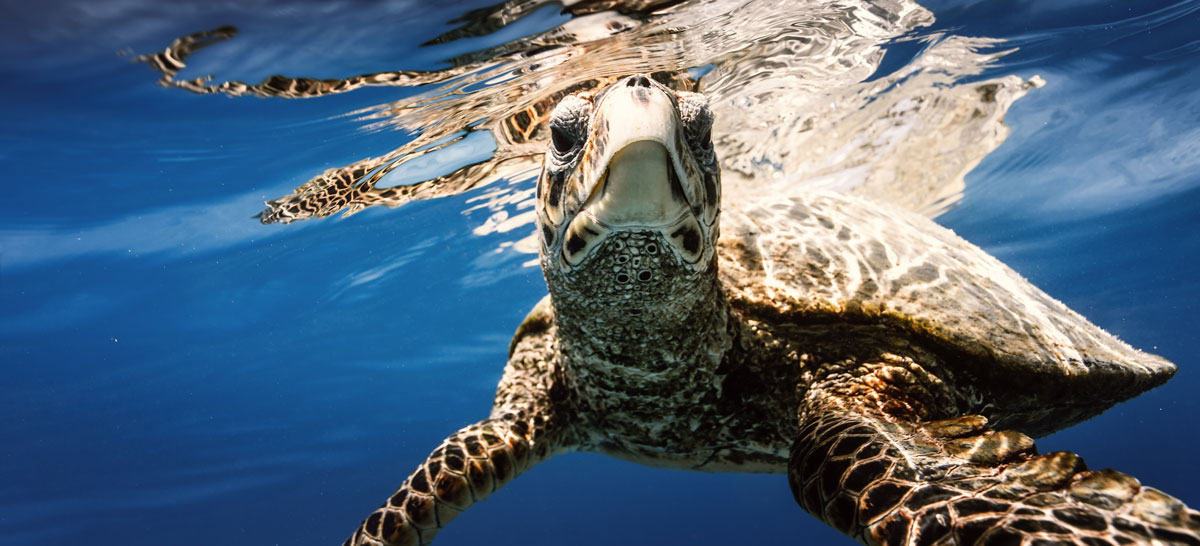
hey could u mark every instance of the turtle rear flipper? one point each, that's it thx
(884, 480)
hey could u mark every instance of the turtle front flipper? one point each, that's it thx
(468, 466)
(884, 480)
(529, 422)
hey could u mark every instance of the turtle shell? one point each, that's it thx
(1034, 364)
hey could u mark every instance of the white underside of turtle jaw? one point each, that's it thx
(637, 180)
(640, 189)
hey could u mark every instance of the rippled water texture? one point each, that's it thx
(180, 370)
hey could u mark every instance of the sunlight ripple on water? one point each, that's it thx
(798, 72)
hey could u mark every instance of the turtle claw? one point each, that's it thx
(957, 427)
(991, 447)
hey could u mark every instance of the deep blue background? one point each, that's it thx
(173, 372)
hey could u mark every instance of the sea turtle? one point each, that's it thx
(861, 349)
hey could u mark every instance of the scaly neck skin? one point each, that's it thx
(641, 336)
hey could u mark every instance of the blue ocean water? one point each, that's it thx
(175, 372)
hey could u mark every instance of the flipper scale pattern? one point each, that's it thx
(954, 481)
(469, 465)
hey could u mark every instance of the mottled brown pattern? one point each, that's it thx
(826, 256)
(887, 481)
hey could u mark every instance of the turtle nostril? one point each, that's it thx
(638, 81)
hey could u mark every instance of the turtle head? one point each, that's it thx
(628, 197)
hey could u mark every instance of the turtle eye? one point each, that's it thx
(568, 126)
(562, 142)
(697, 118)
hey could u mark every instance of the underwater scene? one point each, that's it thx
(258, 259)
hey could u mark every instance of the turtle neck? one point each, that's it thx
(641, 336)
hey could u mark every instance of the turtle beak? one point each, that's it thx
(634, 179)
(636, 174)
